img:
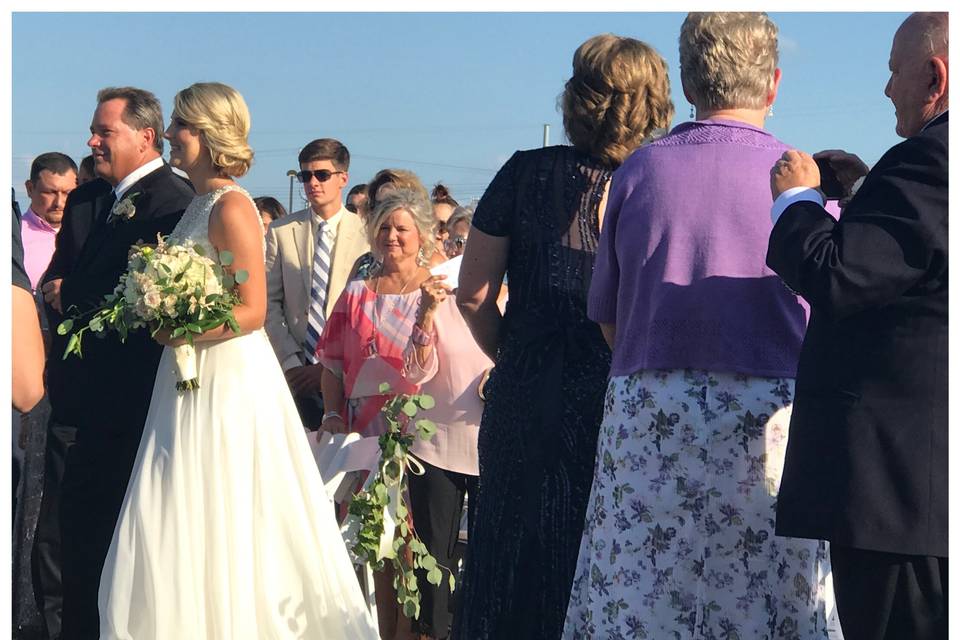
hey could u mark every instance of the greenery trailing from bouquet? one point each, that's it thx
(170, 286)
(384, 503)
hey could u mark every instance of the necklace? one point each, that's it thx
(369, 349)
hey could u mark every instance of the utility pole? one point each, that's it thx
(546, 135)
(291, 174)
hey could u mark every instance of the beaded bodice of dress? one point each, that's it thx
(194, 225)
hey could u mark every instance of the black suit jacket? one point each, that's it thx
(866, 461)
(83, 205)
(110, 387)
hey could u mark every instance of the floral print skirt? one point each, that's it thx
(679, 539)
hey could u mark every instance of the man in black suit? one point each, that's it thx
(866, 463)
(100, 402)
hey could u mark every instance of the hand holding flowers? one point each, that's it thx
(176, 291)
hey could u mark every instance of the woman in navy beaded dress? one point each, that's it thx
(539, 222)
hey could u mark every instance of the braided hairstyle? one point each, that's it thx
(618, 96)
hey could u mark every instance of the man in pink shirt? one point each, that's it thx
(52, 177)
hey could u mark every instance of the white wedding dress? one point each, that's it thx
(226, 532)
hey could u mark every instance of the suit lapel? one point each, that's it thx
(301, 237)
(98, 227)
(344, 254)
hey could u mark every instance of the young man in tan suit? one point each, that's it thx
(309, 257)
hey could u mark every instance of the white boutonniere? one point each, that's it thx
(124, 209)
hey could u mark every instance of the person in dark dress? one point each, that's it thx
(539, 221)
(27, 389)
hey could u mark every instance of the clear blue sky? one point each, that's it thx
(449, 96)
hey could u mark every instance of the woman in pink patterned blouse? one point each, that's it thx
(371, 337)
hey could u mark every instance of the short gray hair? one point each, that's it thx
(142, 110)
(417, 205)
(727, 59)
(461, 214)
(933, 30)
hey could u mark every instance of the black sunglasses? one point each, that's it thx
(322, 175)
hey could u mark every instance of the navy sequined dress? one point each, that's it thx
(544, 399)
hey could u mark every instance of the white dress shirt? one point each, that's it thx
(134, 176)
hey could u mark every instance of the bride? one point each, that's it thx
(226, 531)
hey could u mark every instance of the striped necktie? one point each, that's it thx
(316, 317)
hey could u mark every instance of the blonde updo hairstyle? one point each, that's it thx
(220, 115)
(414, 202)
(618, 96)
(728, 59)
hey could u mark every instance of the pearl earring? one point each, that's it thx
(770, 111)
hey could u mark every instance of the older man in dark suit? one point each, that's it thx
(103, 398)
(866, 464)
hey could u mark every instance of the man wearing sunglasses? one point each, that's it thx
(309, 257)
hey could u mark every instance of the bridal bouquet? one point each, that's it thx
(169, 286)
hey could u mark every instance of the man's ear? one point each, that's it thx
(937, 89)
(29, 185)
(149, 136)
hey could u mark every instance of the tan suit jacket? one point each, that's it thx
(290, 245)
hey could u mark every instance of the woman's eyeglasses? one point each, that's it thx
(455, 243)
(322, 175)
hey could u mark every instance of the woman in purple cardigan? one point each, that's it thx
(679, 537)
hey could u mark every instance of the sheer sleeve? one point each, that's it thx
(494, 214)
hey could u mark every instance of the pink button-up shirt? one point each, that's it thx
(39, 241)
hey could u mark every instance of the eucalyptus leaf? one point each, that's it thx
(435, 576)
(411, 609)
(453, 582)
(411, 580)
(410, 409)
(384, 386)
(241, 276)
(426, 402)
(96, 325)
(392, 471)
(64, 327)
(73, 346)
(426, 428)
(428, 562)
(226, 258)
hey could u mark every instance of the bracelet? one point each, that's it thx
(330, 414)
(421, 337)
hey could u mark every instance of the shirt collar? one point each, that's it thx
(934, 119)
(36, 221)
(333, 222)
(136, 175)
(720, 122)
